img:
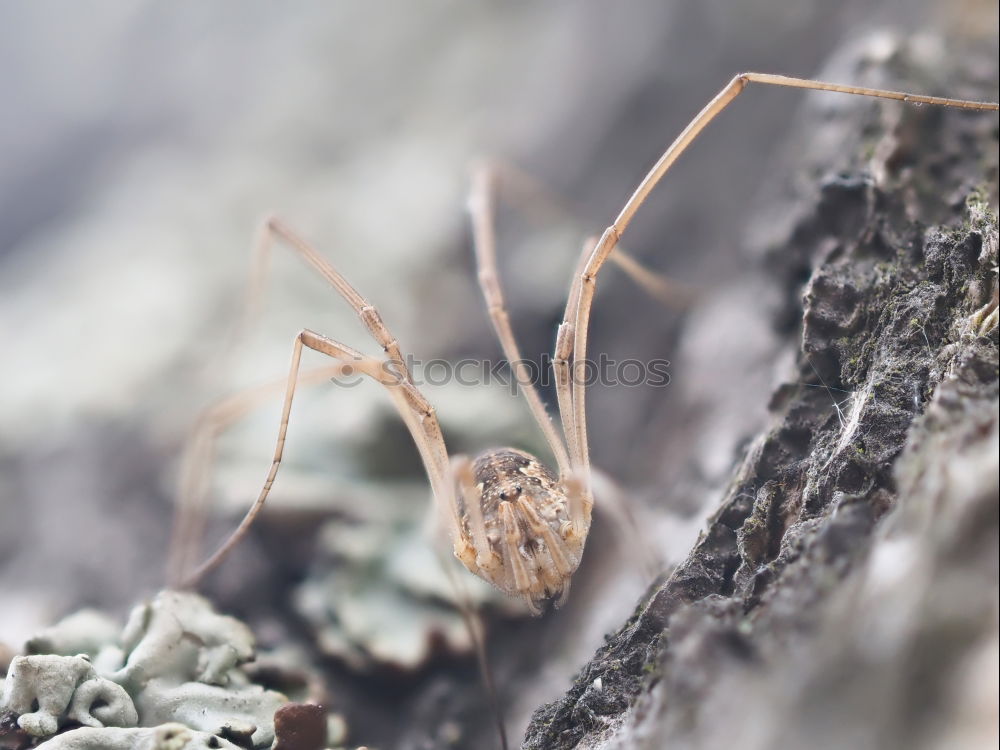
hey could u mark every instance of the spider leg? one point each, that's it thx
(432, 441)
(612, 235)
(561, 360)
(531, 196)
(416, 413)
(514, 562)
(557, 558)
(481, 203)
(481, 555)
(274, 227)
(671, 294)
(199, 453)
(391, 371)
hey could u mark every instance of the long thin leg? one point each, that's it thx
(613, 233)
(199, 454)
(461, 468)
(274, 227)
(531, 197)
(484, 241)
(561, 362)
(413, 408)
(394, 362)
(671, 294)
(473, 619)
(392, 372)
(368, 314)
(199, 450)
(535, 198)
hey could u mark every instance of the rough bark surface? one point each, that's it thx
(844, 594)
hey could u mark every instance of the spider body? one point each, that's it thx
(533, 547)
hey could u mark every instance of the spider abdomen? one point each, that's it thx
(525, 513)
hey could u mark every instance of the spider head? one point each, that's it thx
(532, 547)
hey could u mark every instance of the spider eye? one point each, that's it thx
(503, 495)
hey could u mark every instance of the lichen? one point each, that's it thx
(47, 690)
(377, 595)
(176, 670)
(165, 737)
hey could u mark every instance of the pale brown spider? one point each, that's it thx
(511, 520)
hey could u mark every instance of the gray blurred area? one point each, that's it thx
(142, 143)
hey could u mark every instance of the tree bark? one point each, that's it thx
(844, 593)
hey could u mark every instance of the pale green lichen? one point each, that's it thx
(165, 737)
(377, 594)
(179, 637)
(177, 663)
(43, 689)
(87, 632)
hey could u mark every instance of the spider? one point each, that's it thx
(511, 519)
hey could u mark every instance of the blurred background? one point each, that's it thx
(141, 144)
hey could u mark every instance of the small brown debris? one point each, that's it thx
(300, 726)
(12, 737)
